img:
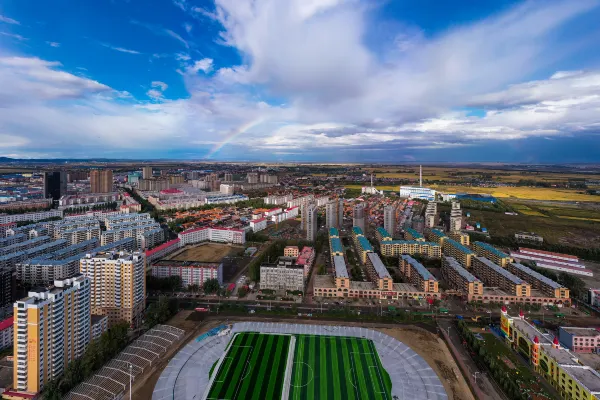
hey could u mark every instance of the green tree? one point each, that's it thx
(211, 286)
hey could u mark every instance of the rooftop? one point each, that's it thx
(491, 249)
(340, 267)
(438, 232)
(587, 377)
(590, 332)
(381, 270)
(383, 232)
(336, 245)
(401, 242)
(513, 278)
(455, 265)
(414, 233)
(357, 230)
(549, 253)
(459, 246)
(421, 270)
(334, 232)
(365, 244)
(537, 275)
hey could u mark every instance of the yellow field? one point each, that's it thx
(522, 193)
(395, 188)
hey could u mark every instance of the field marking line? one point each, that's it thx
(311, 378)
(354, 376)
(239, 382)
(229, 357)
(371, 366)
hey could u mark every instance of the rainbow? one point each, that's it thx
(235, 133)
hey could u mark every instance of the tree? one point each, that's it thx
(211, 286)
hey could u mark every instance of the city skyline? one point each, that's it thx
(336, 80)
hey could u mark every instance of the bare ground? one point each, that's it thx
(426, 344)
(210, 252)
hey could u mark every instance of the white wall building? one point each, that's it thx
(258, 225)
(223, 235)
(33, 216)
(415, 192)
(195, 274)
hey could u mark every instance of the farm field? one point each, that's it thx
(253, 368)
(522, 192)
(210, 252)
(333, 367)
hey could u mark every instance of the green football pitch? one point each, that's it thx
(324, 367)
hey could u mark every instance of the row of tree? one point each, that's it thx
(110, 206)
(23, 210)
(98, 352)
(23, 223)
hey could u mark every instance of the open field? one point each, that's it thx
(253, 368)
(522, 192)
(210, 252)
(328, 367)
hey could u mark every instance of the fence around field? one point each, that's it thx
(112, 380)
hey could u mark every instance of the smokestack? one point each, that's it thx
(420, 176)
(371, 180)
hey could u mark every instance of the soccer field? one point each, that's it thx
(253, 368)
(338, 368)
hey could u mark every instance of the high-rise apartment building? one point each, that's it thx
(228, 177)
(389, 219)
(118, 285)
(334, 213)
(252, 177)
(311, 222)
(55, 184)
(101, 181)
(51, 329)
(430, 214)
(146, 172)
(455, 217)
(358, 216)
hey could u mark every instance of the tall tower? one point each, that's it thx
(389, 219)
(311, 222)
(358, 216)
(147, 172)
(420, 176)
(55, 184)
(334, 213)
(101, 181)
(455, 217)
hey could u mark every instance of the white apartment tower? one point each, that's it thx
(455, 217)
(389, 219)
(51, 329)
(358, 216)
(311, 222)
(334, 213)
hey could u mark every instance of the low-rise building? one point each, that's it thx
(436, 235)
(554, 261)
(529, 237)
(412, 234)
(460, 237)
(579, 340)
(462, 254)
(417, 274)
(291, 251)
(539, 281)
(394, 248)
(306, 258)
(460, 279)
(190, 272)
(163, 250)
(6, 333)
(417, 192)
(488, 251)
(32, 216)
(363, 247)
(284, 275)
(222, 235)
(258, 224)
(99, 325)
(492, 274)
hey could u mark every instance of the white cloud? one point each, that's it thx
(177, 37)
(158, 30)
(53, 44)
(155, 94)
(161, 85)
(14, 36)
(4, 18)
(205, 65)
(188, 27)
(120, 49)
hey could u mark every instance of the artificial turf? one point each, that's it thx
(253, 368)
(324, 367)
(338, 368)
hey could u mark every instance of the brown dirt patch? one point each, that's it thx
(210, 252)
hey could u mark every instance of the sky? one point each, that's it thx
(301, 80)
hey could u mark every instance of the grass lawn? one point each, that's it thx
(254, 368)
(494, 346)
(338, 368)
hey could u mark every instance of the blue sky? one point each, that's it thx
(314, 80)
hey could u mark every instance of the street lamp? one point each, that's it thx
(475, 376)
(130, 379)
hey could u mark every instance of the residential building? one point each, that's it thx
(163, 250)
(7, 289)
(301, 201)
(417, 274)
(78, 235)
(579, 340)
(88, 199)
(538, 281)
(32, 217)
(221, 235)
(31, 204)
(488, 251)
(278, 200)
(461, 253)
(436, 235)
(252, 177)
(284, 275)
(227, 189)
(455, 217)
(395, 248)
(190, 272)
(228, 177)
(411, 234)
(494, 275)
(572, 379)
(460, 237)
(529, 237)
(99, 325)
(5, 227)
(55, 185)
(335, 246)
(414, 192)
(431, 214)
(52, 329)
(554, 261)
(377, 272)
(363, 247)
(258, 225)
(382, 234)
(334, 213)
(389, 219)
(358, 216)
(291, 251)
(118, 285)
(6, 333)
(460, 279)
(153, 184)
(311, 222)
(306, 258)
(101, 181)
(147, 172)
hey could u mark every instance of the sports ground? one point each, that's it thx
(324, 367)
(256, 360)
